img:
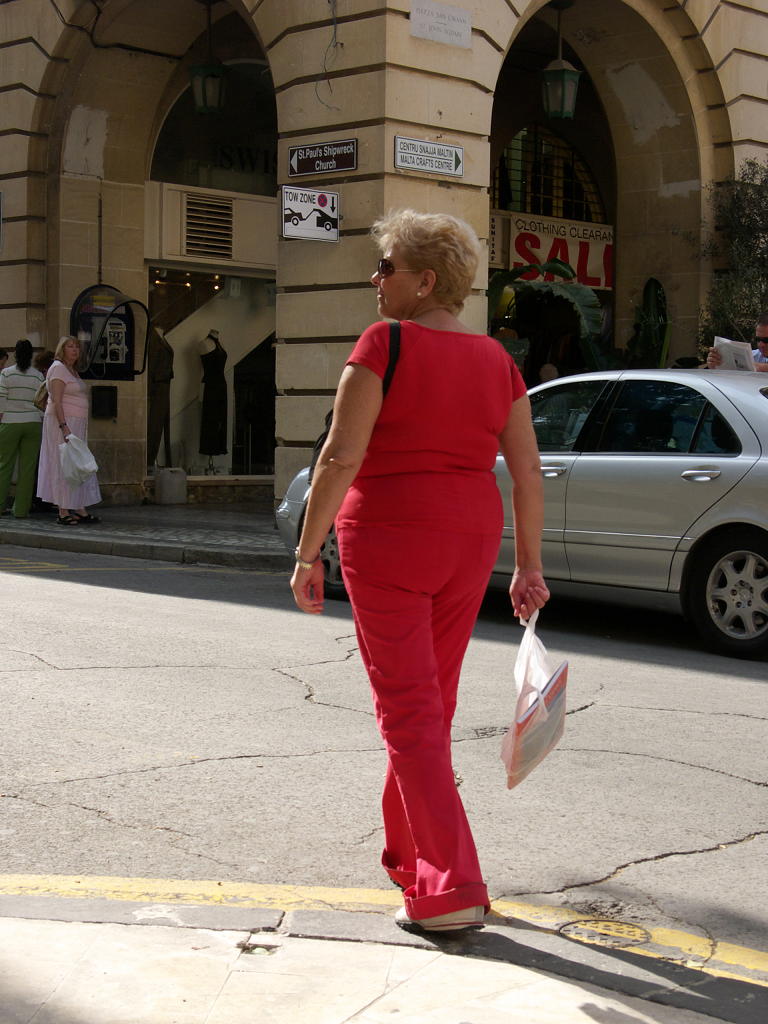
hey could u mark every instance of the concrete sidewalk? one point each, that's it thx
(323, 967)
(210, 534)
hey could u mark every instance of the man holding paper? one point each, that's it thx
(759, 354)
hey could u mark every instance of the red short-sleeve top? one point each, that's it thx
(433, 447)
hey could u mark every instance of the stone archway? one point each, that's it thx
(647, 127)
(117, 75)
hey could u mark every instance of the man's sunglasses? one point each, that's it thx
(386, 268)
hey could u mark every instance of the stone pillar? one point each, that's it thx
(366, 78)
(27, 35)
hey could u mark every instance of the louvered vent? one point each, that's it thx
(208, 226)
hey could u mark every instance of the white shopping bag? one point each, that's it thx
(77, 461)
(540, 708)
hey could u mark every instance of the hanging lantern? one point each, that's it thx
(559, 86)
(208, 87)
(560, 80)
(208, 80)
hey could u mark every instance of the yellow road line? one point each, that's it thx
(723, 960)
(726, 960)
(169, 567)
(240, 894)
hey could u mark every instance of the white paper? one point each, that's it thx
(736, 355)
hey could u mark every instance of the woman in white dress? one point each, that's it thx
(65, 414)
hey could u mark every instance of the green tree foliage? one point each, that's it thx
(739, 293)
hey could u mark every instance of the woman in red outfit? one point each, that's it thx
(409, 481)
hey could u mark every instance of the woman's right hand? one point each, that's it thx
(528, 592)
(307, 586)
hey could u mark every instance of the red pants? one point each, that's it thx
(415, 596)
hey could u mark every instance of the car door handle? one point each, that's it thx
(700, 475)
(552, 469)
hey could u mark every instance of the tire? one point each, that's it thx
(726, 593)
(329, 556)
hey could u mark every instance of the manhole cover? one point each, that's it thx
(615, 934)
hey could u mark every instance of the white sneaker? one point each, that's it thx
(457, 920)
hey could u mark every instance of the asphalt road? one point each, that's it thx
(177, 722)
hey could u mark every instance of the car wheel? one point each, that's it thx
(726, 595)
(329, 556)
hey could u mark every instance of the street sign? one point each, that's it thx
(431, 157)
(442, 23)
(322, 158)
(310, 213)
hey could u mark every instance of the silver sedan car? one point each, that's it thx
(655, 484)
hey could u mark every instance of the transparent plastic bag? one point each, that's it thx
(539, 717)
(77, 461)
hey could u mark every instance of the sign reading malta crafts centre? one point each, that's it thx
(432, 157)
(322, 158)
(587, 247)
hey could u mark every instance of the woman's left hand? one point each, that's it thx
(307, 587)
(528, 592)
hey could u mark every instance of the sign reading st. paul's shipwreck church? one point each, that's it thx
(322, 157)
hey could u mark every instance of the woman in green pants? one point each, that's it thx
(20, 428)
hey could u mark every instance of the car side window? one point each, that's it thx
(652, 416)
(714, 435)
(560, 412)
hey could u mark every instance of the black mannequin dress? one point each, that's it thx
(160, 374)
(213, 421)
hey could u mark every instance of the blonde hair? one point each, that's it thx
(59, 353)
(434, 241)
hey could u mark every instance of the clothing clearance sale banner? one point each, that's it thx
(587, 247)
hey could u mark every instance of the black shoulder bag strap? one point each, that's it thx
(394, 353)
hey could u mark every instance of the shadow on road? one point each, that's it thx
(624, 633)
(637, 634)
(675, 985)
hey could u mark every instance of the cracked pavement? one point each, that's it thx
(193, 725)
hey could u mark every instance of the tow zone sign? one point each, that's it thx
(310, 213)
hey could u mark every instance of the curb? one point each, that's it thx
(183, 554)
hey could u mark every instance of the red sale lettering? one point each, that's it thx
(582, 267)
(608, 265)
(558, 251)
(529, 255)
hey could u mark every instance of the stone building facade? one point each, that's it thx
(109, 177)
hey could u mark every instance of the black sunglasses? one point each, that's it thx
(386, 268)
